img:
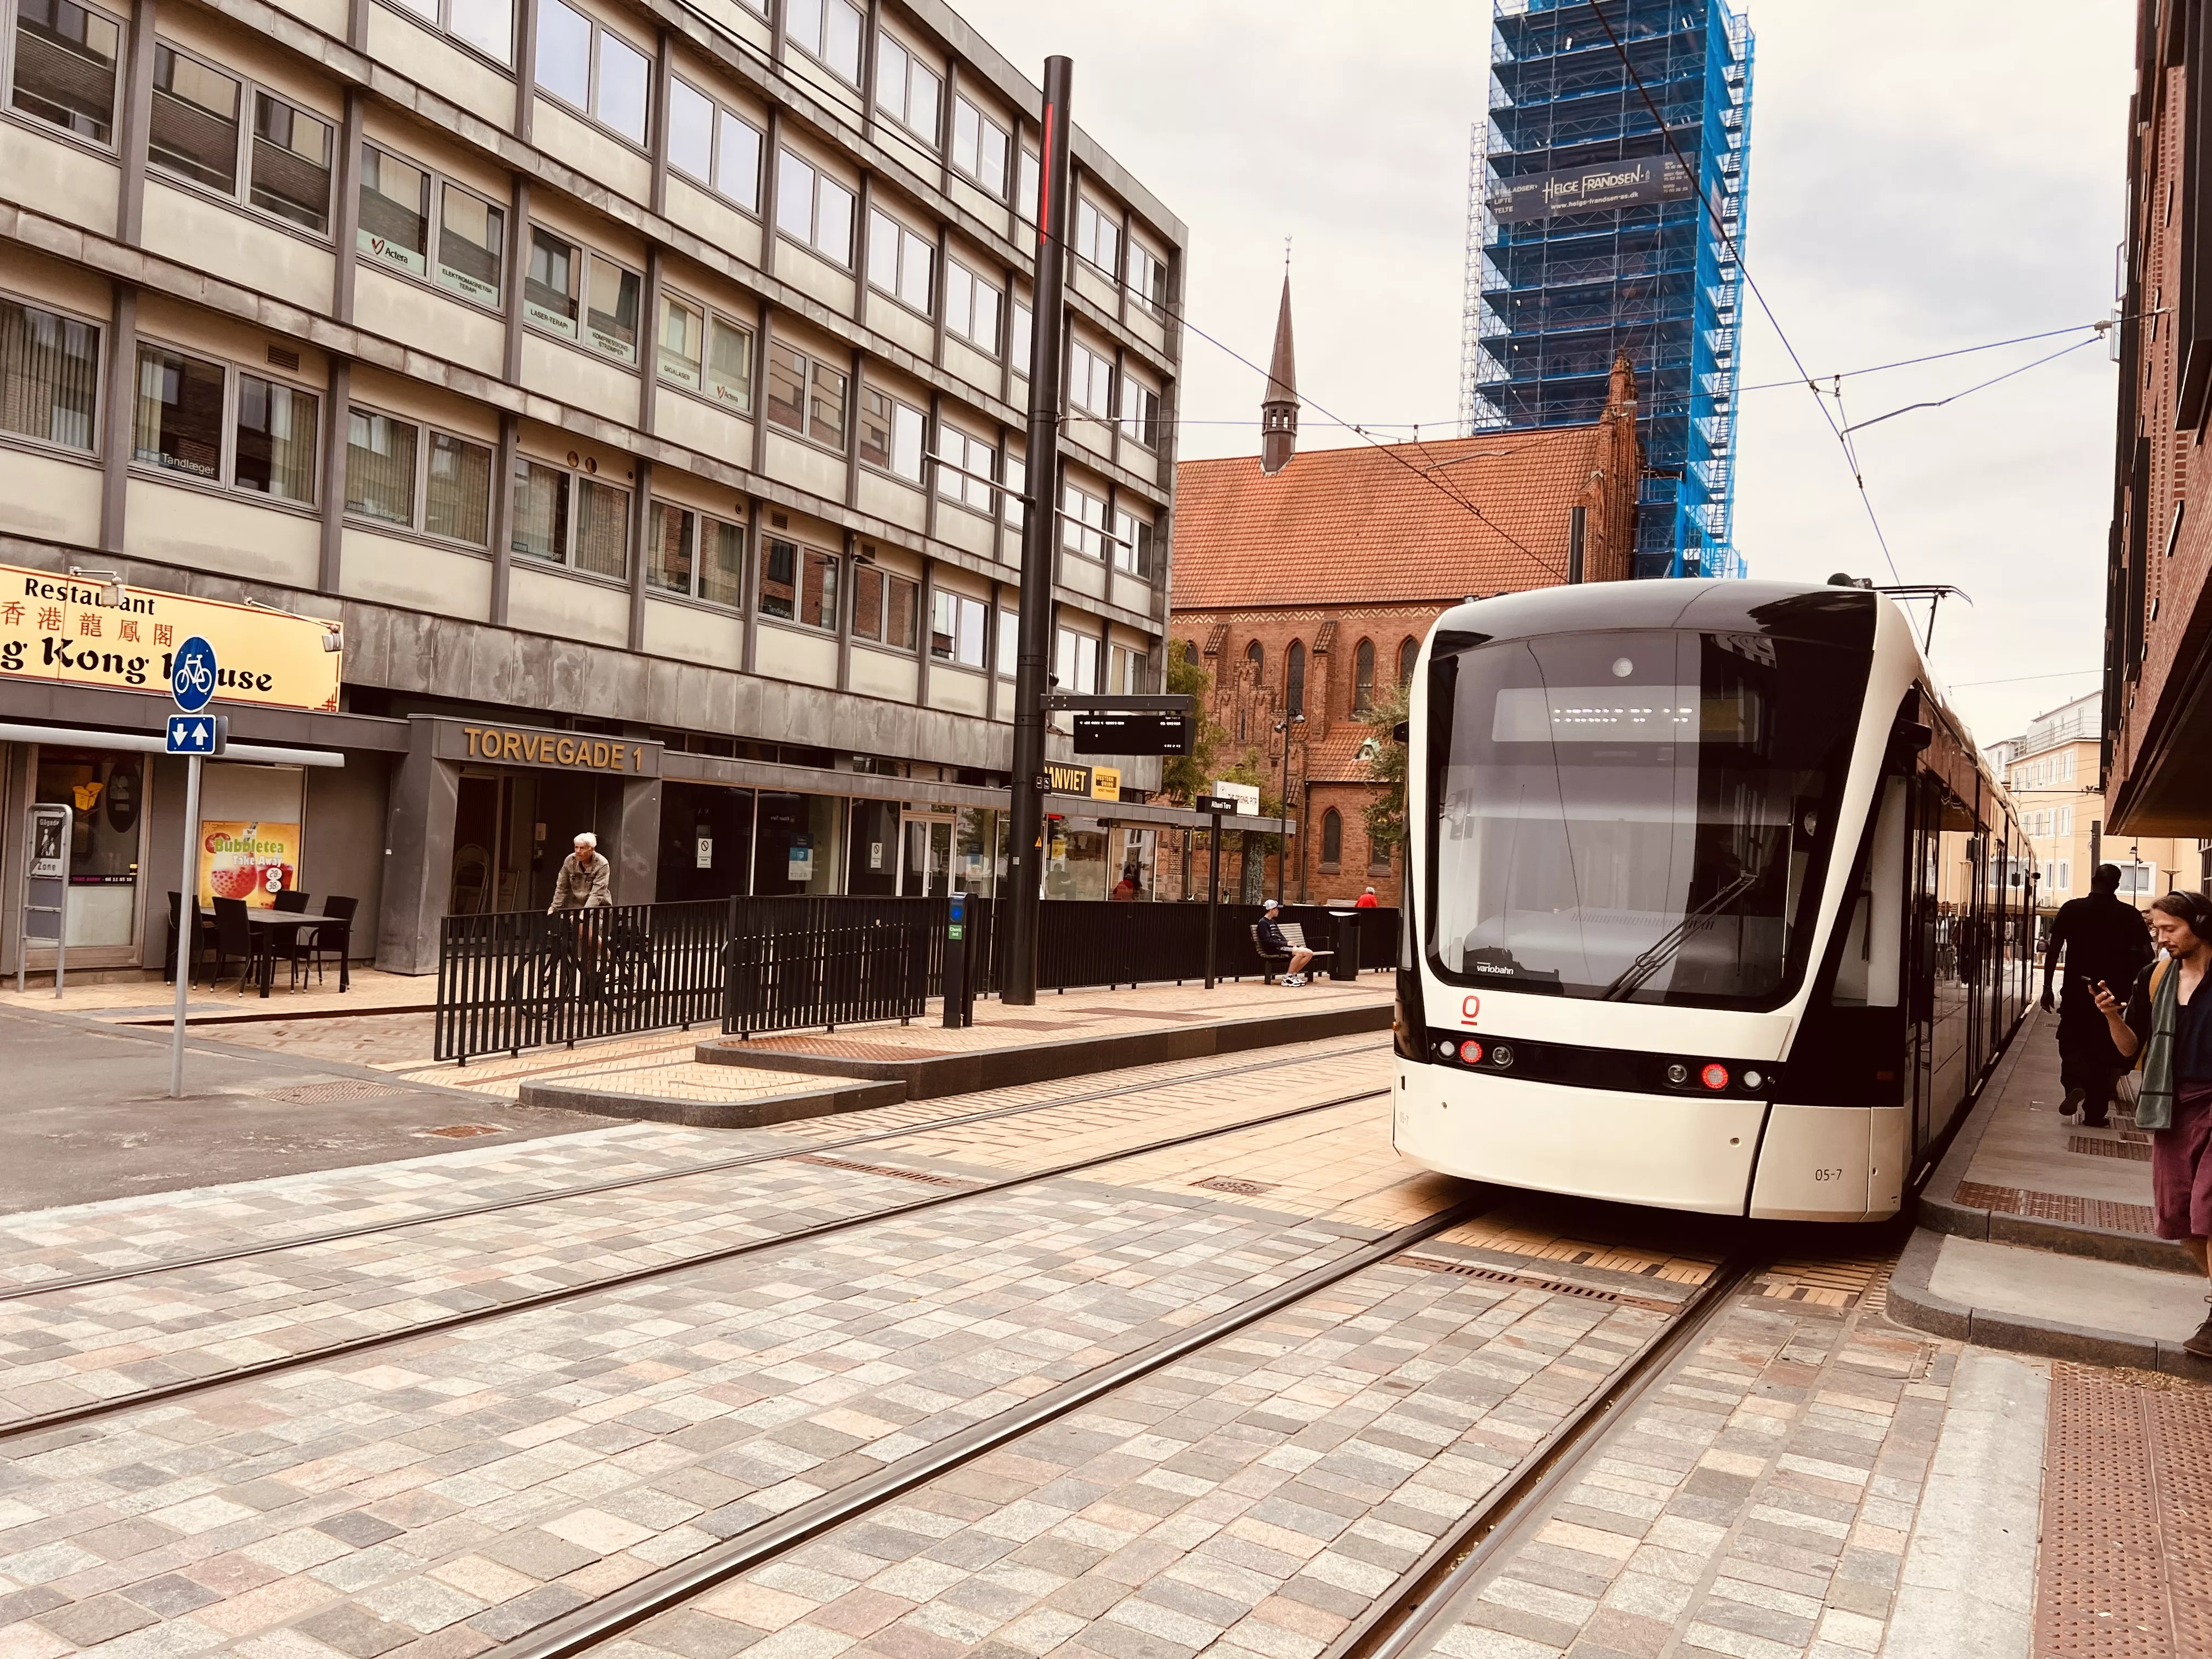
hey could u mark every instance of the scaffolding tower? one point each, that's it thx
(1587, 237)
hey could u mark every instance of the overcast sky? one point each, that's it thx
(1923, 177)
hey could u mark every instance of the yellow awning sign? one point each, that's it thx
(69, 630)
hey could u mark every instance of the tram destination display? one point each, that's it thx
(1133, 734)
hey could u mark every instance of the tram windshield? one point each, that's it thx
(1635, 816)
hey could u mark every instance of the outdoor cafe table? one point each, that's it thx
(271, 924)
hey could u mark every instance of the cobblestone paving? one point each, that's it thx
(105, 1341)
(1758, 1504)
(444, 1495)
(47, 1244)
(1248, 1500)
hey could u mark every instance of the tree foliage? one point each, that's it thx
(1385, 755)
(1184, 778)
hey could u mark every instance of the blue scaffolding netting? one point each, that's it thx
(1587, 237)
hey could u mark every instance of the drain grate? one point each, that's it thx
(1436, 1264)
(1232, 1184)
(465, 1131)
(923, 1176)
(2136, 1151)
(334, 1094)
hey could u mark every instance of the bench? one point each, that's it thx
(1294, 935)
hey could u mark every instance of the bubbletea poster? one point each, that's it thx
(250, 861)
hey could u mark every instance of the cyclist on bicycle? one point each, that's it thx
(584, 881)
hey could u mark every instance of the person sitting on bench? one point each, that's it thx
(1272, 943)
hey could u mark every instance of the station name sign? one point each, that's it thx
(70, 630)
(563, 751)
(1640, 182)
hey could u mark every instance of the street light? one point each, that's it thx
(1283, 802)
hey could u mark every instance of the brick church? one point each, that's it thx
(1305, 583)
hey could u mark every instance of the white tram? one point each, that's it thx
(1713, 903)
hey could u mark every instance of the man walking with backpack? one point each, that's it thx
(2105, 942)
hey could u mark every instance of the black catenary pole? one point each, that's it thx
(1040, 526)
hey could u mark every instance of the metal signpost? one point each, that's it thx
(1040, 532)
(45, 876)
(195, 735)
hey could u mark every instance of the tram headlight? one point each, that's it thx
(1501, 1054)
(1678, 1074)
(1715, 1076)
(1752, 1079)
(1448, 1048)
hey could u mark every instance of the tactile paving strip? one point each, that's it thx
(2137, 1150)
(2124, 1569)
(2058, 1206)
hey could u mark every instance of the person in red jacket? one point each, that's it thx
(1367, 901)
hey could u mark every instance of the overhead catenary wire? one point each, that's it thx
(1938, 403)
(1742, 264)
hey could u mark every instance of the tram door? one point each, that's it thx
(925, 867)
(1943, 957)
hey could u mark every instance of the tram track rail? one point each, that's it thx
(138, 1399)
(13, 1292)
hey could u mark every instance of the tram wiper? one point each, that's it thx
(1663, 950)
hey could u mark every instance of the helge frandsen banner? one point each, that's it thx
(64, 629)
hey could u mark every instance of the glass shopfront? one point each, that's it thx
(107, 792)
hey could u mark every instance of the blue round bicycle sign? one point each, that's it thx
(192, 675)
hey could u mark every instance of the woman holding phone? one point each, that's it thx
(2165, 1028)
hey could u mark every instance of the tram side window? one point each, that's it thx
(1867, 976)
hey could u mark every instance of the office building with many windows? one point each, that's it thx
(612, 369)
(1606, 218)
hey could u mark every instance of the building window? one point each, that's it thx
(1089, 381)
(1133, 545)
(1028, 183)
(971, 308)
(828, 31)
(440, 487)
(486, 25)
(65, 58)
(693, 555)
(963, 470)
(906, 89)
(1332, 839)
(956, 629)
(713, 146)
(900, 263)
(805, 395)
(1082, 522)
(183, 418)
(1408, 650)
(1125, 671)
(1363, 678)
(1256, 655)
(49, 375)
(703, 351)
(195, 134)
(979, 148)
(1076, 662)
(1017, 479)
(592, 69)
(812, 208)
(885, 607)
(1010, 642)
(1148, 278)
(1097, 238)
(1140, 414)
(566, 283)
(398, 232)
(799, 584)
(891, 433)
(1294, 680)
(1019, 342)
(572, 520)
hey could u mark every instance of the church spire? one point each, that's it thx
(1278, 409)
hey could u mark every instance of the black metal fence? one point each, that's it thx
(520, 979)
(795, 963)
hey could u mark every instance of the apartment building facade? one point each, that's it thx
(605, 369)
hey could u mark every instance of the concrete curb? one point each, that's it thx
(1940, 1211)
(1912, 1303)
(1043, 1062)
(755, 1113)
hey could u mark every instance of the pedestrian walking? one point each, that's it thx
(2166, 1028)
(1367, 901)
(585, 881)
(2105, 942)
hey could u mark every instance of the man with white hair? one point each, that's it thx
(585, 879)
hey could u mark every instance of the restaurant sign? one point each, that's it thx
(1098, 782)
(73, 631)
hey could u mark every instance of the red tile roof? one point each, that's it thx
(1359, 525)
(1335, 758)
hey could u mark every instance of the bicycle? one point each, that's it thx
(580, 963)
